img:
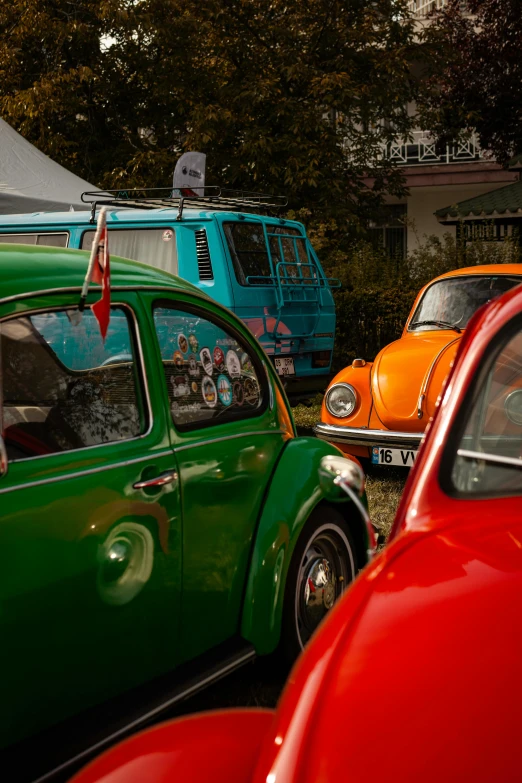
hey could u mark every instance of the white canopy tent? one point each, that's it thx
(32, 182)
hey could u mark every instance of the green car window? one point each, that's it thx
(63, 388)
(210, 373)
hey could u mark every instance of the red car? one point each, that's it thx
(416, 675)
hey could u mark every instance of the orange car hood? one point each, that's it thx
(415, 365)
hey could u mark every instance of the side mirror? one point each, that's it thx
(338, 475)
(3, 457)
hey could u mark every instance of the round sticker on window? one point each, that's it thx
(219, 358)
(180, 386)
(233, 364)
(246, 364)
(182, 343)
(193, 342)
(239, 395)
(206, 360)
(193, 367)
(178, 358)
(167, 235)
(224, 389)
(194, 386)
(208, 389)
(251, 391)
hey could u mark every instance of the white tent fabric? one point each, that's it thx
(32, 182)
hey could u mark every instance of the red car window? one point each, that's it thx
(488, 460)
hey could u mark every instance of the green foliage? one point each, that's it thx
(474, 74)
(283, 96)
(378, 292)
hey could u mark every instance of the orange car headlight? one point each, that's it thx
(341, 400)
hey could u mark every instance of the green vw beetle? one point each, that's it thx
(156, 505)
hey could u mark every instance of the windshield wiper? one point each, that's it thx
(442, 324)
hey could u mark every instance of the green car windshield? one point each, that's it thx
(450, 303)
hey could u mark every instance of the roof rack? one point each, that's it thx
(211, 196)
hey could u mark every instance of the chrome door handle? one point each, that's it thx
(158, 481)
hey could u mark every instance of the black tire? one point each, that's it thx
(323, 564)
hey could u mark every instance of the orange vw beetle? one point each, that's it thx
(380, 409)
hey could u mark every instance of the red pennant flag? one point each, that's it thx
(101, 274)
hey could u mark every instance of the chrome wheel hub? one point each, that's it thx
(325, 569)
(319, 589)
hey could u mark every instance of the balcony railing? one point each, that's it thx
(421, 151)
(421, 8)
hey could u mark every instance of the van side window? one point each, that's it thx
(247, 245)
(288, 245)
(211, 376)
(60, 239)
(63, 388)
(154, 246)
(254, 265)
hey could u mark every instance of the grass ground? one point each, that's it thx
(383, 485)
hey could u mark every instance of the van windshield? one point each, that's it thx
(153, 246)
(450, 303)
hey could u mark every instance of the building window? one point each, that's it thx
(388, 233)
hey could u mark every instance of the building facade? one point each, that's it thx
(435, 178)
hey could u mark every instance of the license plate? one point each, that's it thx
(285, 365)
(384, 456)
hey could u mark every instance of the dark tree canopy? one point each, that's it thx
(282, 95)
(475, 78)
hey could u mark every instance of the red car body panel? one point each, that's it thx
(416, 674)
(199, 749)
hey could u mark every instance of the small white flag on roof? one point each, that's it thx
(190, 173)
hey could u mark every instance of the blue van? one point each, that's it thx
(262, 267)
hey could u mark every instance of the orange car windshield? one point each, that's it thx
(450, 303)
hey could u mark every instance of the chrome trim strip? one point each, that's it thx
(356, 436)
(125, 463)
(480, 455)
(189, 690)
(141, 358)
(87, 472)
(174, 288)
(41, 292)
(196, 444)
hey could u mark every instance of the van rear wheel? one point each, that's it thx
(323, 565)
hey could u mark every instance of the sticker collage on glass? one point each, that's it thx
(210, 379)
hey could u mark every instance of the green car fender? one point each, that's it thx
(294, 493)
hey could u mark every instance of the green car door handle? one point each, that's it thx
(158, 481)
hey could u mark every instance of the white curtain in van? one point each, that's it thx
(154, 246)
